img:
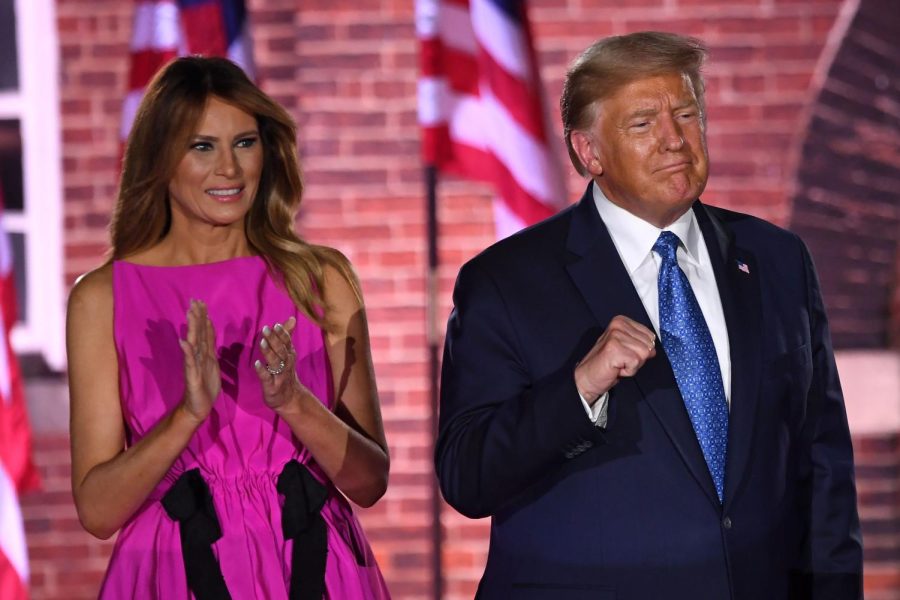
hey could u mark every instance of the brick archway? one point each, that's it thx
(847, 200)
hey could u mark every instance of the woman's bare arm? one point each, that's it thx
(348, 444)
(109, 482)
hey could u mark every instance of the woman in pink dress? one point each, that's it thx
(223, 400)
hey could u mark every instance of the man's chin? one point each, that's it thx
(682, 192)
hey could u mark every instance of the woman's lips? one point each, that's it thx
(226, 194)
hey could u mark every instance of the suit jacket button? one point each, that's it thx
(726, 522)
(588, 444)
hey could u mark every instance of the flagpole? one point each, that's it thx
(431, 304)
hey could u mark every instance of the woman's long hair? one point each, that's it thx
(164, 124)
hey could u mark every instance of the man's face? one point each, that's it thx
(647, 148)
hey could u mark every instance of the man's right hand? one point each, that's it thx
(622, 349)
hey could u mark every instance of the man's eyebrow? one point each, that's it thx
(689, 103)
(646, 112)
(649, 112)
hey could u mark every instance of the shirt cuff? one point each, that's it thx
(597, 413)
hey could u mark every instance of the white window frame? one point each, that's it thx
(36, 105)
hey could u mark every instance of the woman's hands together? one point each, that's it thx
(202, 380)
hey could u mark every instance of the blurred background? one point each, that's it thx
(803, 104)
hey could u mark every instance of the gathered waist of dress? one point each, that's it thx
(220, 484)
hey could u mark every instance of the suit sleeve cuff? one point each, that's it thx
(597, 413)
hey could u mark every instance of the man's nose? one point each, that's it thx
(671, 135)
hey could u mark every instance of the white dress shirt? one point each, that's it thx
(634, 238)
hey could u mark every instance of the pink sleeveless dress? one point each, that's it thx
(239, 451)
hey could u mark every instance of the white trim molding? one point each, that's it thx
(41, 220)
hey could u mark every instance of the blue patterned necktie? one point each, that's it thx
(690, 349)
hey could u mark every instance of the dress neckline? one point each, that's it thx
(253, 258)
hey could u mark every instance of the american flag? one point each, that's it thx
(166, 29)
(480, 105)
(17, 472)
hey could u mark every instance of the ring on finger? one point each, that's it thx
(277, 369)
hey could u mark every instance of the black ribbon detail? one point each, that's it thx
(301, 521)
(189, 502)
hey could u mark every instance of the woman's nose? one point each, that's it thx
(228, 164)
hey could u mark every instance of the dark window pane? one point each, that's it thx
(11, 165)
(17, 241)
(9, 63)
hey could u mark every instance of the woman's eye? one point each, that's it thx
(246, 142)
(201, 146)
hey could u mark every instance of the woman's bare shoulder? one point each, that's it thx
(341, 284)
(92, 291)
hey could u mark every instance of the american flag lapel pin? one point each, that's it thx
(742, 266)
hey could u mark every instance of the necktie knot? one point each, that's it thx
(666, 246)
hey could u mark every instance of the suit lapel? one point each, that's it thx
(737, 277)
(597, 270)
(601, 278)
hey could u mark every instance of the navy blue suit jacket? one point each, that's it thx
(630, 512)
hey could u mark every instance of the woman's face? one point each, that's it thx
(216, 181)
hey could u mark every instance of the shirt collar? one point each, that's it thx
(634, 237)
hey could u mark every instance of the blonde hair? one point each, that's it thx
(165, 121)
(613, 62)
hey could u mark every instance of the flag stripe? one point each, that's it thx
(512, 9)
(502, 39)
(502, 59)
(480, 103)
(525, 157)
(164, 30)
(481, 165)
(483, 123)
(518, 199)
(234, 15)
(463, 78)
(17, 471)
(145, 64)
(204, 30)
(518, 96)
(455, 29)
(241, 54)
(12, 540)
(12, 587)
(156, 26)
(506, 221)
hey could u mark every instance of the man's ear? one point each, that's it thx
(587, 151)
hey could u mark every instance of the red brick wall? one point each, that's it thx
(846, 206)
(878, 488)
(66, 562)
(347, 71)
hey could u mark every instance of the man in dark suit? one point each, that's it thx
(641, 390)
